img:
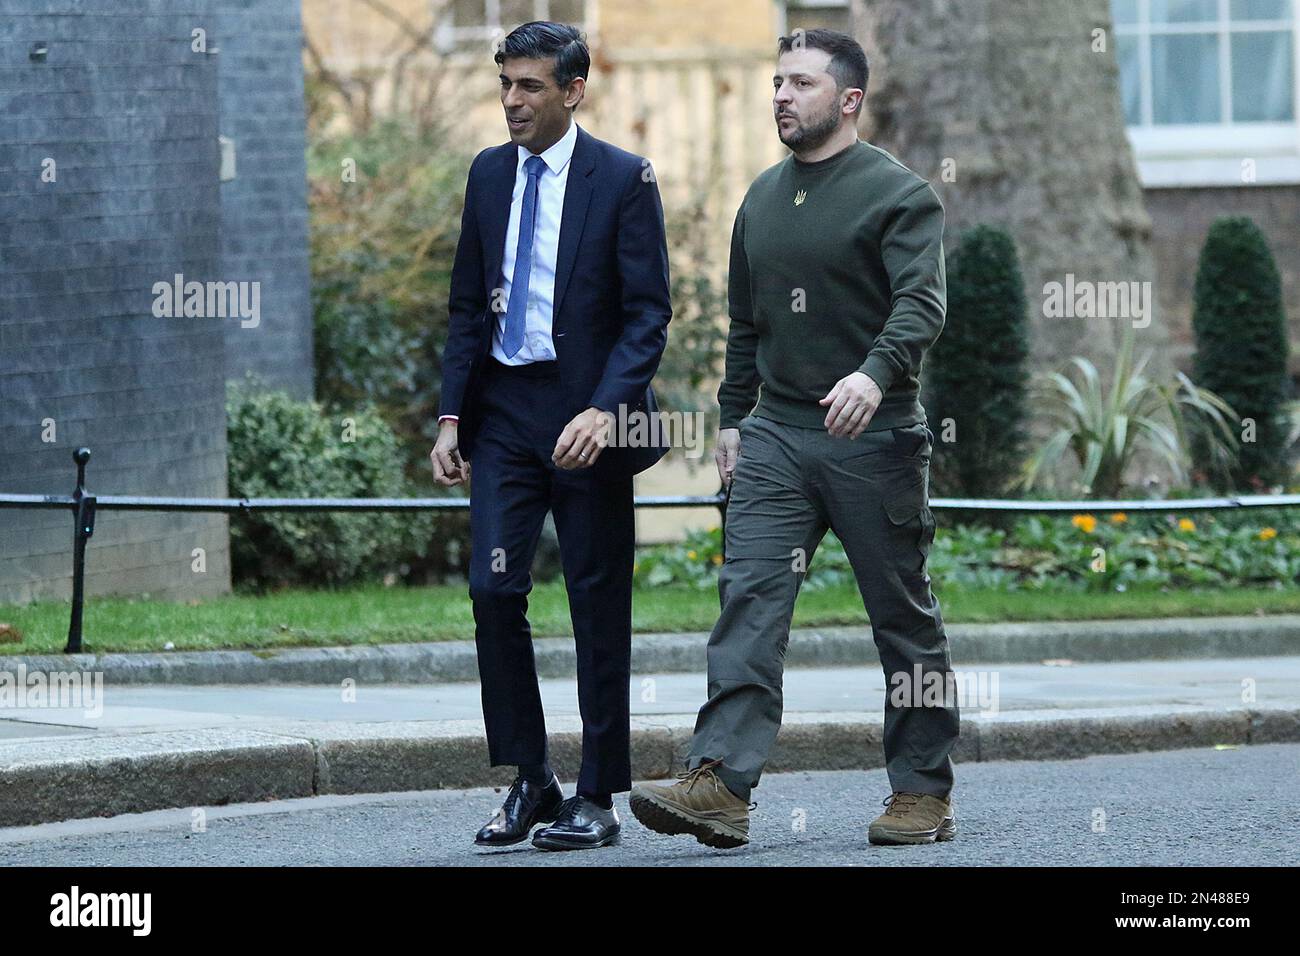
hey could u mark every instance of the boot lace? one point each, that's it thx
(695, 775)
(899, 804)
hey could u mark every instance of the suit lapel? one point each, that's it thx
(577, 196)
(498, 190)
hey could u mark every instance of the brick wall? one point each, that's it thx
(264, 208)
(1180, 220)
(129, 115)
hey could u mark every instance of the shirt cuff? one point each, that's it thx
(731, 414)
(448, 418)
(878, 370)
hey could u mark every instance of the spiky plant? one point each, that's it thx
(1105, 429)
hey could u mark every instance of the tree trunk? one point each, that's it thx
(1012, 112)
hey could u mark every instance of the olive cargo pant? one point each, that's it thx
(790, 485)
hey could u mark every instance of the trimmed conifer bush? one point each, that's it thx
(976, 378)
(1241, 347)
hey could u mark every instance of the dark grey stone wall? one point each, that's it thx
(264, 208)
(129, 113)
(1180, 220)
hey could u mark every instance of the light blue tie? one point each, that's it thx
(517, 309)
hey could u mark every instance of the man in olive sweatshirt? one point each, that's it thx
(836, 290)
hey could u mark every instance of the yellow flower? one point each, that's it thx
(1268, 534)
(717, 559)
(1118, 517)
(691, 555)
(1186, 524)
(1085, 523)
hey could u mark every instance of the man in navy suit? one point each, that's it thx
(559, 310)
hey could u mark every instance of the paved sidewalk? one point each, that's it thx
(1011, 687)
(153, 747)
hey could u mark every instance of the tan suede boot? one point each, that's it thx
(913, 818)
(698, 804)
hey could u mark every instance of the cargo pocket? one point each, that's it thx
(905, 503)
(913, 523)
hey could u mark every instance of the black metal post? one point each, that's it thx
(84, 515)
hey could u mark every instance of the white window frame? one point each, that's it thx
(1212, 154)
(448, 37)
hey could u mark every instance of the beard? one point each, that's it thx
(809, 136)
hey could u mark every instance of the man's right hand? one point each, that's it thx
(726, 453)
(448, 467)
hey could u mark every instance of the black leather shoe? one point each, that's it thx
(580, 825)
(526, 805)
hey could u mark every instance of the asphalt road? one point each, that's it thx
(1228, 807)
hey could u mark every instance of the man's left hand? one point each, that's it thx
(852, 401)
(583, 439)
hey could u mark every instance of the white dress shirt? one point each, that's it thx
(538, 345)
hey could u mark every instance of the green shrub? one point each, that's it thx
(1241, 347)
(975, 372)
(282, 448)
(382, 248)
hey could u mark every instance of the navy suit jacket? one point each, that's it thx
(612, 304)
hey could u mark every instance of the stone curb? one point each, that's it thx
(43, 781)
(455, 661)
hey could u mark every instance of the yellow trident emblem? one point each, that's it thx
(799, 197)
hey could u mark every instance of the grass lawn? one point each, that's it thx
(377, 615)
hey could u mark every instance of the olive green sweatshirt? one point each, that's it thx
(836, 266)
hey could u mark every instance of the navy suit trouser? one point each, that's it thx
(513, 484)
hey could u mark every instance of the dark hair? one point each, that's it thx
(541, 40)
(848, 60)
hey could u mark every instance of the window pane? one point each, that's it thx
(1261, 78)
(1183, 11)
(1185, 78)
(467, 13)
(567, 11)
(1130, 78)
(1260, 10)
(1124, 11)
